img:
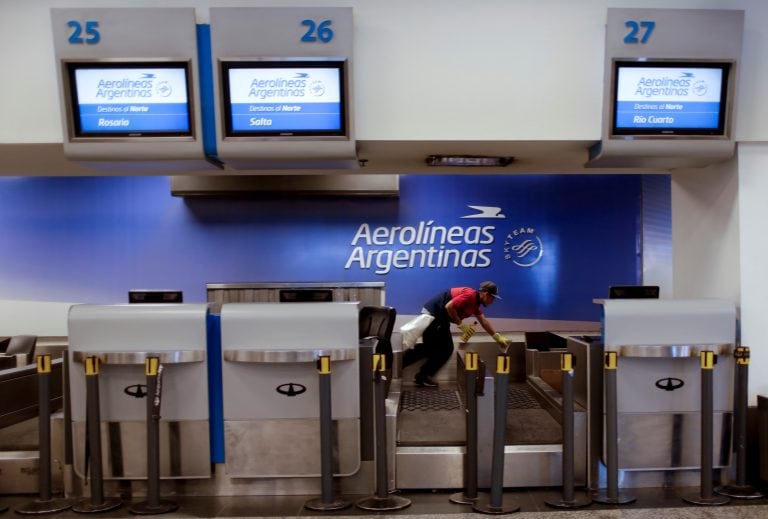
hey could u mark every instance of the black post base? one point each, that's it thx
(697, 499)
(507, 506)
(383, 504)
(621, 498)
(321, 506)
(576, 502)
(49, 506)
(3, 508)
(163, 506)
(460, 498)
(739, 491)
(86, 506)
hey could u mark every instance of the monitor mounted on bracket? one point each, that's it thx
(284, 98)
(129, 99)
(669, 98)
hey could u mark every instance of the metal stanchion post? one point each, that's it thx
(470, 494)
(153, 505)
(740, 489)
(497, 503)
(97, 502)
(326, 501)
(611, 496)
(568, 499)
(706, 495)
(45, 503)
(382, 501)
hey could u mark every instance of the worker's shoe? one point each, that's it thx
(424, 381)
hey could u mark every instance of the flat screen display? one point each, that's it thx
(286, 98)
(130, 99)
(670, 98)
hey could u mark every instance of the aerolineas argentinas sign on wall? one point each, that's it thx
(431, 245)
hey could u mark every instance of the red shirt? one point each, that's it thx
(466, 302)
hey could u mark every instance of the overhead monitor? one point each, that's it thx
(129, 99)
(284, 98)
(670, 98)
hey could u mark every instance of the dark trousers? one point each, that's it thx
(437, 348)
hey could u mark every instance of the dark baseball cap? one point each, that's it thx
(491, 288)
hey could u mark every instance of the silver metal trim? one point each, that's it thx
(361, 284)
(278, 356)
(669, 350)
(140, 357)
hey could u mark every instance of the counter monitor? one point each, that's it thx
(284, 98)
(660, 98)
(129, 99)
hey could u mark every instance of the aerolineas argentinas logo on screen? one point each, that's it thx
(104, 86)
(429, 244)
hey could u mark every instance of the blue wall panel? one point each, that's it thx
(92, 239)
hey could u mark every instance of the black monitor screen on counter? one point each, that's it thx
(284, 98)
(657, 98)
(633, 292)
(129, 99)
(155, 296)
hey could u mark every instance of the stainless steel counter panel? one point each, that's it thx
(140, 357)
(671, 350)
(278, 356)
(367, 293)
(363, 284)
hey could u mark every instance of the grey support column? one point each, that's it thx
(740, 489)
(568, 499)
(612, 495)
(45, 503)
(470, 494)
(497, 503)
(326, 502)
(382, 501)
(97, 502)
(153, 505)
(706, 495)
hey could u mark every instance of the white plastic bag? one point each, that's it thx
(413, 329)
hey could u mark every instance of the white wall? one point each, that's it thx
(421, 68)
(753, 217)
(705, 232)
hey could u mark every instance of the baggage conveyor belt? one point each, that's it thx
(429, 440)
(429, 416)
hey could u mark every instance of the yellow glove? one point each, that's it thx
(503, 341)
(468, 330)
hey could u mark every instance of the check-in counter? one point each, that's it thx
(122, 337)
(658, 345)
(271, 387)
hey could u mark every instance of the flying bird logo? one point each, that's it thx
(485, 211)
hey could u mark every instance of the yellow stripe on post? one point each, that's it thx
(379, 362)
(610, 360)
(470, 361)
(151, 365)
(566, 362)
(502, 364)
(707, 359)
(43, 363)
(324, 364)
(91, 366)
(742, 355)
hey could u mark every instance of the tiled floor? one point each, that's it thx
(650, 504)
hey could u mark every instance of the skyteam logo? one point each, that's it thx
(317, 88)
(523, 247)
(163, 89)
(700, 88)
